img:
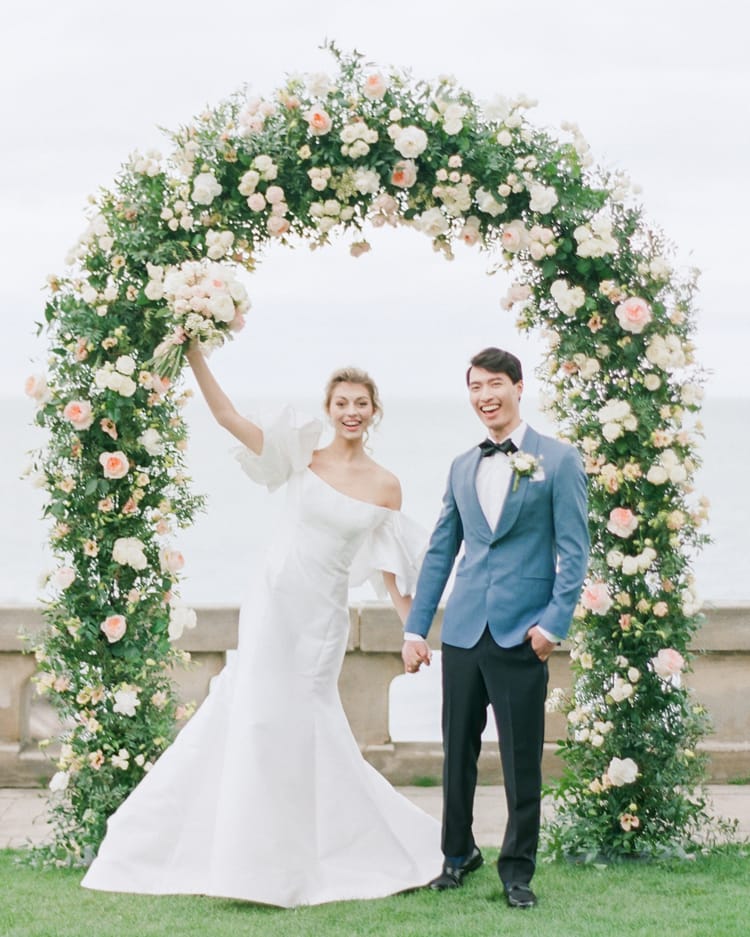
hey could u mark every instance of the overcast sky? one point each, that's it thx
(660, 89)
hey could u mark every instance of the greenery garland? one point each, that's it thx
(157, 267)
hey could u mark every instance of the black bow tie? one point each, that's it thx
(489, 447)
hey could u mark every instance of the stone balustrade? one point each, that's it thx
(719, 679)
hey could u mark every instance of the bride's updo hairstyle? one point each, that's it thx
(355, 376)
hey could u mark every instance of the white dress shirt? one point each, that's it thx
(492, 483)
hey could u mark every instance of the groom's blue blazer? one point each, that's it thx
(527, 571)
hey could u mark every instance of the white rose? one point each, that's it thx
(180, 618)
(205, 188)
(151, 441)
(411, 141)
(630, 565)
(433, 222)
(59, 781)
(366, 181)
(125, 364)
(129, 551)
(488, 203)
(622, 771)
(126, 701)
(543, 198)
(656, 475)
(122, 384)
(612, 431)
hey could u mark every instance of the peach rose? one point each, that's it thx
(319, 122)
(114, 627)
(596, 598)
(634, 314)
(114, 464)
(375, 86)
(36, 387)
(78, 412)
(404, 174)
(622, 522)
(668, 663)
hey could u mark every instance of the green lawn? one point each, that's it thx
(708, 897)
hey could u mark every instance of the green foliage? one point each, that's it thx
(317, 158)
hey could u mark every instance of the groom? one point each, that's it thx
(517, 504)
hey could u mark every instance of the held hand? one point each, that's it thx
(539, 644)
(414, 654)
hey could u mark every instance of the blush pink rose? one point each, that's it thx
(114, 627)
(668, 663)
(596, 598)
(277, 226)
(64, 576)
(79, 413)
(404, 174)
(319, 122)
(114, 464)
(171, 560)
(256, 201)
(634, 314)
(375, 86)
(622, 522)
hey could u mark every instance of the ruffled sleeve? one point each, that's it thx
(288, 444)
(397, 545)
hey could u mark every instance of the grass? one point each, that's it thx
(708, 897)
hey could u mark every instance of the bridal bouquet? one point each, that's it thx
(207, 304)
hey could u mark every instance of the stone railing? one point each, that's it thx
(719, 680)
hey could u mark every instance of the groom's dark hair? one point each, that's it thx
(497, 361)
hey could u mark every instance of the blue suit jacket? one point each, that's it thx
(528, 571)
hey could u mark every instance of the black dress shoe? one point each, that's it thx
(452, 876)
(520, 896)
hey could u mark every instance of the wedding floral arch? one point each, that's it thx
(156, 266)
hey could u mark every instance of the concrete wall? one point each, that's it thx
(719, 679)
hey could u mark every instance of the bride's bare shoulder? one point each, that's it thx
(388, 487)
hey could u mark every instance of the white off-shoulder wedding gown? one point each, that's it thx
(264, 795)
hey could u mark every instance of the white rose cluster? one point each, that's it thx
(487, 203)
(616, 417)
(666, 352)
(432, 222)
(218, 243)
(146, 164)
(631, 564)
(129, 551)
(567, 298)
(356, 139)
(595, 239)
(543, 198)
(668, 468)
(180, 618)
(116, 377)
(205, 188)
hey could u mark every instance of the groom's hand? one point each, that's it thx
(541, 646)
(414, 654)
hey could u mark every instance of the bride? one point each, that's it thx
(264, 795)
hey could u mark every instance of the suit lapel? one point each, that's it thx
(514, 499)
(477, 520)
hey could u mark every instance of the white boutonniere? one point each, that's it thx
(523, 463)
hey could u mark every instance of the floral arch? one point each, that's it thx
(157, 264)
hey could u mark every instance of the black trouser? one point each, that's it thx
(514, 681)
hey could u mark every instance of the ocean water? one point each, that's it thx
(416, 439)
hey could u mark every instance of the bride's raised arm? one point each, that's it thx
(248, 433)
